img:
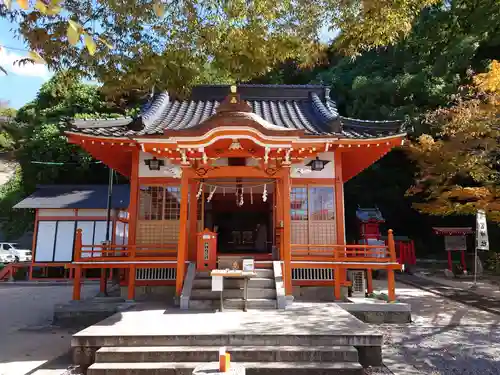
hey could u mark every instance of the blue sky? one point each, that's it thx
(23, 82)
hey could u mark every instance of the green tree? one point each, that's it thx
(43, 153)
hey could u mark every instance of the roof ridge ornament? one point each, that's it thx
(233, 103)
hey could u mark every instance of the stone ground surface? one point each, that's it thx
(446, 338)
(484, 286)
(299, 319)
(27, 340)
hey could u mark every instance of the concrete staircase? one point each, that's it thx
(319, 339)
(258, 358)
(261, 292)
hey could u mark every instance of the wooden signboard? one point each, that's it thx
(455, 243)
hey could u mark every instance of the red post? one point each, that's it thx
(131, 283)
(369, 281)
(450, 263)
(78, 245)
(102, 281)
(413, 255)
(391, 282)
(77, 284)
(462, 259)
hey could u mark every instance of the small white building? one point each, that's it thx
(61, 209)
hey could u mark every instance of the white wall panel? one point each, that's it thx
(45, 238)
(64, 241)
(120, 233)
(87, 228)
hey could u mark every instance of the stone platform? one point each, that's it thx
(319, 338)
(373, 311)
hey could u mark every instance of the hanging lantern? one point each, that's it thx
(154, 164)
(317, 164)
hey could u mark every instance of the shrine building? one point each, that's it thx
(260, 169)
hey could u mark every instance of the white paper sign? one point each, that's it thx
(217, 284)
(482, 242)
(248, 265)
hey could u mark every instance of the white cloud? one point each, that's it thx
(9, 61)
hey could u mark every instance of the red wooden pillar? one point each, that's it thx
(102, 281)
(133, 207)
(182, 244)
(77, 284)
(462, 259)
(340, 273)
(391, 282)
(193, 220)
(287, 237)
(131, 283)
(369, 281)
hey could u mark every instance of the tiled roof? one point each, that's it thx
(76, 196)
(296, 107)
(367, 214)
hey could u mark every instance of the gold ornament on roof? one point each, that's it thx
(233, 89)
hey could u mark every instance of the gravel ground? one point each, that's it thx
(446, 337)
(27, 340)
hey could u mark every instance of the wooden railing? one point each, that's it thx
(120, 253)
(341, 253)
(345, 253)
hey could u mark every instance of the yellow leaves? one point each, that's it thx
(89, 43)
(105, 42)
(159, 8)
(489, 81)
(35, 56)
(49, 9)
(24, 4)
(73, 32)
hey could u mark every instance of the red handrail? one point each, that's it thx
(113, 252)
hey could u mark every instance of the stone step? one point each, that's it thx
(233, 304)
(252, 293)
(255, 282)
(252, 368)
(360, 340)
(260, 272)
(238, 354)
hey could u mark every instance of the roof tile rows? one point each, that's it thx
(298, 107)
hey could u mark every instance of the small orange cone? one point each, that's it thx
(224, 360)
